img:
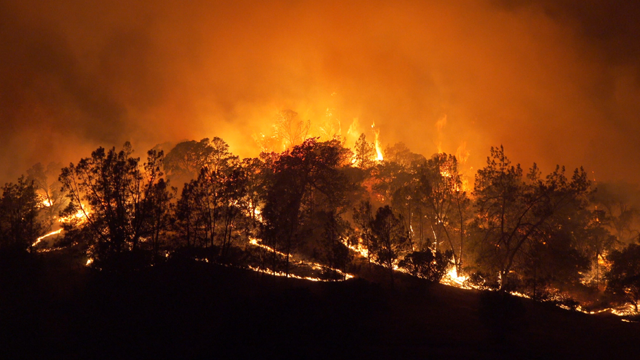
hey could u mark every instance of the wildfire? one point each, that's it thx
(283, 274)
(462, 154)
(440, 124)
(353, 129)
(359, 248)
(452, 279)
(376, 131)
(255, 242)
(80, 214)
(313, 265)
(38, 240)
(624, 310)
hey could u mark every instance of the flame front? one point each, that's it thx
(38, 240)
(313, 265)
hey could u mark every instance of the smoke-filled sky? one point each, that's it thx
(555, 81)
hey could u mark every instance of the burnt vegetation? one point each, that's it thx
(169, 240)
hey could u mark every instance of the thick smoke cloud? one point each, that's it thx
(554, 81)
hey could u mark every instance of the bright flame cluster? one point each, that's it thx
(81, 215)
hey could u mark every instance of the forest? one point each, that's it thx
(321, 211)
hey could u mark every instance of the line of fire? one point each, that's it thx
(334, 206)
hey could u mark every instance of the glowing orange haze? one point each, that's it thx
(456, 77)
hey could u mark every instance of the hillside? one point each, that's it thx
(198, 310)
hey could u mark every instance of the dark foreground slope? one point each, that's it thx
(197, 310)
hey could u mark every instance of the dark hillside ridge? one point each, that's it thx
(199, 310)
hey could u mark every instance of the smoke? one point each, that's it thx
(553, 81)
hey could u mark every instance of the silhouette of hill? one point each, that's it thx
(182, 309)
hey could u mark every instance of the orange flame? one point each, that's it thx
(379, 156)
(462, 154)
(313, 265)
(38, 240)
(440, 124)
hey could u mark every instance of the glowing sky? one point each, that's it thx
(553, 81)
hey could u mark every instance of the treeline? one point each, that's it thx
(549, 236)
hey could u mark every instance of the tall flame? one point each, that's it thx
(462, 154)
(376, 131)
(440, 124)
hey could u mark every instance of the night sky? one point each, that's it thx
(553, 81)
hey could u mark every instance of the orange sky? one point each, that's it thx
(553, 81)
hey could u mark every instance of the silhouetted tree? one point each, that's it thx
(396, 183)
(512, 211)
(19, 222)
(390, 238)
(363, 220)
(446, 203)
(624, 276)
(304, 180)
(333, 252)
(210, 203)
(116, 197)
(553, 261)
(234, 195)
(593, 238)
(187, 225)
(290, 129)
(364, 153)
(157, 202)
(426, 264)
(256, 174)
(619, 209)
(185, 160)
(45, 181)
(400, 154)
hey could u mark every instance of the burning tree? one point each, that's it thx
(122, 199)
